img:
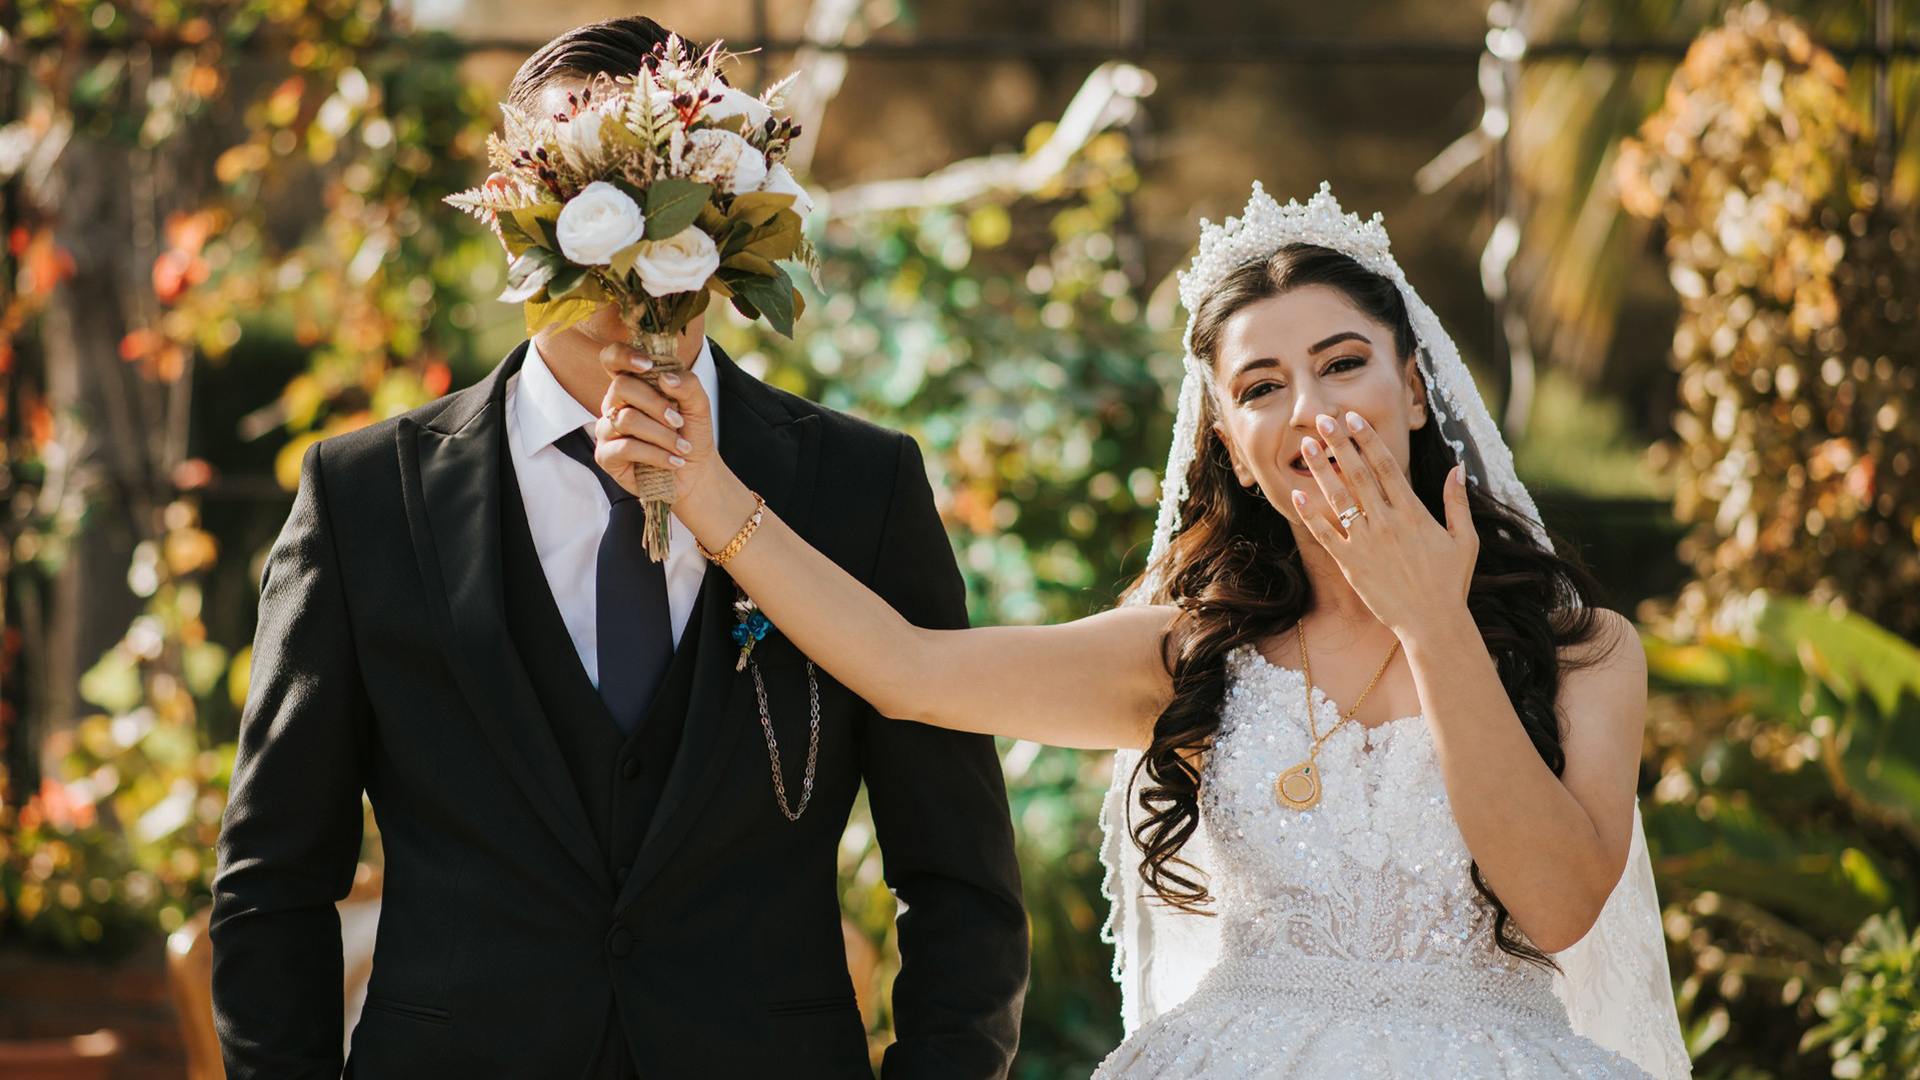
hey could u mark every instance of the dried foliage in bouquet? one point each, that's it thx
(653, 192)
(1797, 449)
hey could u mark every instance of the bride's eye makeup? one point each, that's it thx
(1257, 390)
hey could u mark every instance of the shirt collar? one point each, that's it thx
(545, 411)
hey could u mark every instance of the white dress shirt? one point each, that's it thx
(567, 509)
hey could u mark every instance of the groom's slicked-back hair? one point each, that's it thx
(614, 47)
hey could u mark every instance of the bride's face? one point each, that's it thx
(1284, 362)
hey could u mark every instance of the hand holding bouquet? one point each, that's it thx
(651, 192)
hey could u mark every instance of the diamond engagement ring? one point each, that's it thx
(1348, 515)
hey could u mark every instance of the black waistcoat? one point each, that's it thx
(619, 778)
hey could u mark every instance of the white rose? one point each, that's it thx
(781, 182)
(725, 160)
(734, 103)
(681, 263)
(580, 139)
(598, 222)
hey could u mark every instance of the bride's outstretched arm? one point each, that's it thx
(1097, 683)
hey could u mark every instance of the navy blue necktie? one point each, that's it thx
(633, 623)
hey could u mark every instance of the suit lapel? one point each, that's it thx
(450, 469)
(775, 453)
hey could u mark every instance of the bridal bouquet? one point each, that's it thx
(654, 192)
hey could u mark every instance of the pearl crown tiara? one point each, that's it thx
(1265, 227)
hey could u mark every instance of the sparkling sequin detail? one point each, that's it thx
(1354, 942)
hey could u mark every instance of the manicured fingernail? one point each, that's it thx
(674, 418)
(609, 353)
(1325, 424)
(670, 379)
(1299, 500)
(683, 446)
(640, 361)
(1355, 423)
(1310, 448)
(676, 460)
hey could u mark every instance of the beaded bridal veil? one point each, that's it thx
(1614, 983)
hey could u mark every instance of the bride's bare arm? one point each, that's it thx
(1097, 683)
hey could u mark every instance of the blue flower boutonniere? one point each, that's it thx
(751, 627)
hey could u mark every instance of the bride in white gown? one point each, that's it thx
(1369, 724)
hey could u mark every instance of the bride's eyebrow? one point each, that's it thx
(1345, 335)
(1255, 365)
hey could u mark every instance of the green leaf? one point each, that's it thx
(778, 239)
(529, 273)
(537, 222)
(772, 296)
(751, 263)
(513, 234)
(556, 313)
(1851, 651)
(638, 196)
(673, 205)
(732, 237)
(758, 207)
(622, 262)
(567, 282)
(1683, 664)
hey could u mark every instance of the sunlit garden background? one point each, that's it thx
(1675, 238)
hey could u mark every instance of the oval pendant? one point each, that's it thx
(1299, 787)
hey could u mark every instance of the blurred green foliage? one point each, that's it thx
(121, 841)
(1786, 815)
(1873, 1016)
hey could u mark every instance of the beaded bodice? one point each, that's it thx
(1375, 875)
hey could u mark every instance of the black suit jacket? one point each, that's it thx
(382, 665)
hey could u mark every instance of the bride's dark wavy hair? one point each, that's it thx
(1234, 572)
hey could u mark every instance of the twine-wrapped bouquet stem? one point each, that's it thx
(654, 485)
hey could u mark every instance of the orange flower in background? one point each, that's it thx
(174, 272)
(43, 263)
(436, 379)
(39, 421)
(59, 808)
(158, 356)
(180, 267)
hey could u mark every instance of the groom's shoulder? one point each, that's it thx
(371, 451)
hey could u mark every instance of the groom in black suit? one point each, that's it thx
(581, 883)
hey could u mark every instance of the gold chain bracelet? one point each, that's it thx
(720, 558)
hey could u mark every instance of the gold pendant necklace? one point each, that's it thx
(1299, 787)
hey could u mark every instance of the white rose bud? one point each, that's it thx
(726, 161)
(781, 182)
(734, 103)
(597, 223)
(580, 139)
(681, 263)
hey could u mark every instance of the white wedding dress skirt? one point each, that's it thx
(1354, 944)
